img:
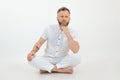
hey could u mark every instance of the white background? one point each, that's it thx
(97, 23)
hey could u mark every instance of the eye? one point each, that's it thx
(66, 16)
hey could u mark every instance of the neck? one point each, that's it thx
(60, 27)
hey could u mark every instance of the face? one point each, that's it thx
(63, 18)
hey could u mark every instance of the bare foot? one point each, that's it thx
(43, 71)
(68, 70)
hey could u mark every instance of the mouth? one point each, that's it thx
(63, 23)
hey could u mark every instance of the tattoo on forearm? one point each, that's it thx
(36, 48)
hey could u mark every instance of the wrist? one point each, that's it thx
(33, 52)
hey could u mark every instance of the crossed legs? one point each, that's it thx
(63, 66)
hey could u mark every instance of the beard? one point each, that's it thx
(63, 23)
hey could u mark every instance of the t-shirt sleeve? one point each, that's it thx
(75, 35)
(45, 34)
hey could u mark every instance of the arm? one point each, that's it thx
(74, 45)
(36, 47)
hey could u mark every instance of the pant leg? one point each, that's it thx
(41, 63)
(69, 60)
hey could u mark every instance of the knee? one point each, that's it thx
(76, 58)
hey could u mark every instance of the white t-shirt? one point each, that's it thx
(57, 43)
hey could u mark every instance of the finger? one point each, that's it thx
(29, 57)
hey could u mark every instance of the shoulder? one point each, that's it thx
(49, 27)
(74, 34)
(72, 31)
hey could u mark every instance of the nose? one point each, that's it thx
(64, 18)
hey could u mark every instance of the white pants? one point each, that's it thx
(48, 63)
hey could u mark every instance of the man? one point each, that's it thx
(60, 39)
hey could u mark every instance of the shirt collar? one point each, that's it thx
(58, 28)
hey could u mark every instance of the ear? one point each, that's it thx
(69, 18)
(57, 17)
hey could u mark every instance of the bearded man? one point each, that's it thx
(60, 40)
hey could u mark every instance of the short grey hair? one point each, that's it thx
(63, 9)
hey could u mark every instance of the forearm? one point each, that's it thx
(35, 48)
(74, 46)
(37, 45)
(32, 53)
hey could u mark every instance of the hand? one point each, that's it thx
(30, 56)
(65, 29)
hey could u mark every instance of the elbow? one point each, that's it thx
(76, 50)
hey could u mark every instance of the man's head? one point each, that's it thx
(63, 16)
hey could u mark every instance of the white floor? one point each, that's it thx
(91, 68)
